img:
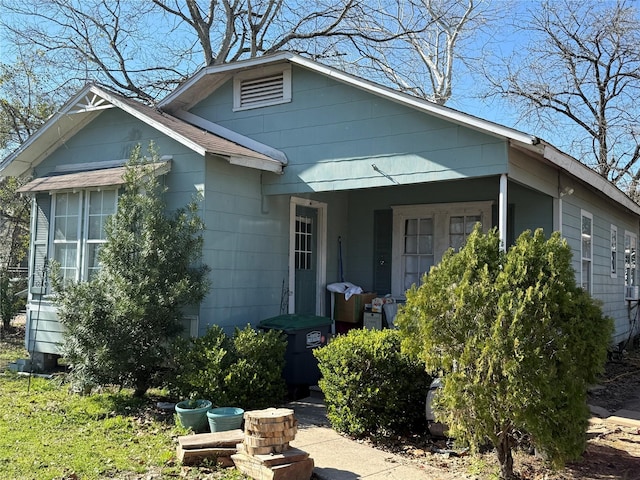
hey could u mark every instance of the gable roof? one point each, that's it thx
(210, 78)
(92, 100)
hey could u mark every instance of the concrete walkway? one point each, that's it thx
(339, 458)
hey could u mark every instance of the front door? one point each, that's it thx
(306, 260)
(307, 256)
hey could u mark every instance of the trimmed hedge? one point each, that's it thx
(371, 388)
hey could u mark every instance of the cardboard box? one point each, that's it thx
(351, 310)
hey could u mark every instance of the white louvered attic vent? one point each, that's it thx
(254, 92)
(261, 90)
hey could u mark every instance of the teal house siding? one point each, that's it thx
(610, 290)
(332, 134)
(532, 209)
(360, 160)
(246, 247)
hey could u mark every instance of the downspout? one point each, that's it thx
(502, 212)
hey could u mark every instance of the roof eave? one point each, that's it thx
(589, 176)
(440, 111)
(15, 166)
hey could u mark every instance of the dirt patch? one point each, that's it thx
(613, 450)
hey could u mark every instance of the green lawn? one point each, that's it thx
(48, 433)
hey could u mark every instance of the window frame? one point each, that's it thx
(441, 214)
(586, 259)
(614, 251)
(55, 206)
(86, 241)
(82, 241)
(631, 236)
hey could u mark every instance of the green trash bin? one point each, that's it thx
(304, 334)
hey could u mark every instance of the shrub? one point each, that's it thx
(10, 303)
(119, 325)
(244, 370)
(370, 387)
(517, 340)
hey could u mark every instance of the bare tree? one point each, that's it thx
(144, 49)
(230, 30)
(425, 36)
(102, 41)
(580, 73)
(27, 99)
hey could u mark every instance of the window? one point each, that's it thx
(101, 205)
(417, 254)
(459, 229)
(630, 248)
(269, 86)
(586, 250)
(614, 251)
(304, 237)
(422, 233)
(78, 230)
(66, 236)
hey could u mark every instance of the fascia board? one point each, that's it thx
(53, 121)
(588, 176)
(152, 123)
(259, 164)
(232, 136)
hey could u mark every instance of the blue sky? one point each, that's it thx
(468, 85)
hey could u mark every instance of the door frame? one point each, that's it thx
(321, 249)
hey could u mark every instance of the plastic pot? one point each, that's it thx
(193, 414)
(225, 418)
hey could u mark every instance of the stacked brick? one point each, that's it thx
(265, 453)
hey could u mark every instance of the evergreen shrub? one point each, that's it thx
(244, 370)
(371, 388)
(517, 341)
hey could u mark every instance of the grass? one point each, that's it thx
(48, 433)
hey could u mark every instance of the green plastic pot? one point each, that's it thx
(225, 418)
(193, 414)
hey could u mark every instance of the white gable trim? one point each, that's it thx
(424, 105)
(152, 123)
(18, 167)
(584, 173)
(232, 136)
(83, 108)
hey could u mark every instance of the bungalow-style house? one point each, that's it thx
(306, 171)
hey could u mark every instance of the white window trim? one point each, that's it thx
(634, 241)
(614, 251)
(52, 229)
(82, 267)
(321, 247)
(85, 231)
(440, 212)
(268, 71)
(589, 258)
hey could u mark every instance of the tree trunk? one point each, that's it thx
(503, 450)
(140, 388)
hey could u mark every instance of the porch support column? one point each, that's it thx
(502, 212)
